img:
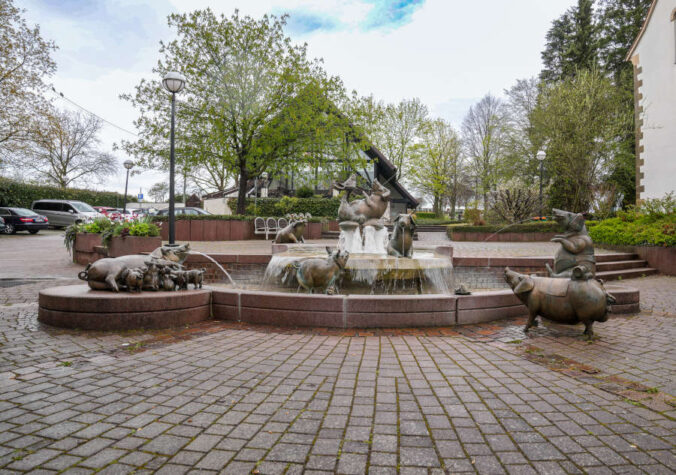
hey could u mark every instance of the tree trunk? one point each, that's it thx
(437, 206)
(453, 200)
(241, 192)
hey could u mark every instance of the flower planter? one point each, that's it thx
(84, 251)
(129, 245)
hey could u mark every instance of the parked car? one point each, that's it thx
(2, 225)
(182, 210)
(63, 213)
(110, 213)
(22, 219)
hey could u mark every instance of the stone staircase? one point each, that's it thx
(621, 266)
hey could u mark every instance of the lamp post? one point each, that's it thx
(174, 83)
(541, 158)
(128, 164)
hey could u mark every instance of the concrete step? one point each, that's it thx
(620, 256)
(625, 274)
(620, 265)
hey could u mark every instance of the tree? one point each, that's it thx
(485, 131)
(25, 62)
(159, 191)
(402, 125)
(571, 43)
(522, 145)
(438, 164)
(63, 149)
(579, 119)
(253, 102)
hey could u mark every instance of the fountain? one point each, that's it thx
(376, 265)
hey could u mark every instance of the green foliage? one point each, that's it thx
(436, 221)
(637, 230)
(97, 226)
(281, 206)
(141, 228)
(580, 119)
(425, 214)
(304, 192)
(473, 215)
(534, 227)
(14, 193)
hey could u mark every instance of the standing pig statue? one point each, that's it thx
(568, 301)
(322, 274)
(401, 242)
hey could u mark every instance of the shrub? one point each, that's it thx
(473, 216)
(203, 217)
(304, 192)
(636, 230)
(14, 193)
(130, 228)
(425, 215)
(514, 205)
(534, 227)
(281, 206)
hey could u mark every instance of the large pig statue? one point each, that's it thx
(569, 301)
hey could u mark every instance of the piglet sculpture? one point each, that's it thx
(321, 274)
(568, 301)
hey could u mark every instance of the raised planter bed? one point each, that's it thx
(128, 245)
(501, 237)
(84, 251)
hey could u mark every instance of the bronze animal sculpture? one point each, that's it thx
(293, 232)
(109, 273)
(168, 280)
(133, 279)
(401, 242)
(568, 301)
(367, 211)
(577, 248)
(322, 274)
(185, 277)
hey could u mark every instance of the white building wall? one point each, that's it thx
(655, 54)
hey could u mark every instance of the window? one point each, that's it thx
(23, 212)
(4, 212)
(82, 207)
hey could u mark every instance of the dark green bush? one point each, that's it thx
(281, 206)
(425, 215)
(207, 217)
(14, 193)
(636, 230)
(304, 192)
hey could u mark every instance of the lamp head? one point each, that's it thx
(174, 82)
(128, 164)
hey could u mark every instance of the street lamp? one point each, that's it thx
(174, 83)
(541, 155)
(128, 164)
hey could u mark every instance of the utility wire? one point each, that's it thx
(62, 96)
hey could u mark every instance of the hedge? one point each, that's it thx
(14, 193)
(282, 206)
(639, 231)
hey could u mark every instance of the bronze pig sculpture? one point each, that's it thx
(401, 242)
(567, 301)
(293, 233)
(321, 274)
(363, 211)
(108, 273)
(577, 248)
(133, 279)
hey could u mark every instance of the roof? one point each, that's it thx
(387, 169)
(640, 33)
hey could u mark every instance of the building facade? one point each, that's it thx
(653, 55)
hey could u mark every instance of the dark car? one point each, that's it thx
(22, 219)
(182, 210)
(2, 225)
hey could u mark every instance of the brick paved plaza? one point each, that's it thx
(242, 399)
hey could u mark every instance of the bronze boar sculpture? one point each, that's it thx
(569, 301)
(111, 273)
(577, 248)
(363, 212)
(317, 274)
(293, 233)
(401, 242)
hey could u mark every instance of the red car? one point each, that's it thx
(111, 213)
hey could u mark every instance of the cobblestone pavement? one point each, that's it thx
(257, 399)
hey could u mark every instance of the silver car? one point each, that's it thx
(65, 212)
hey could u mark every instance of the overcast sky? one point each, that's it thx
(448, 53)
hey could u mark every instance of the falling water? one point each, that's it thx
(217, 265)
(374, 241)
